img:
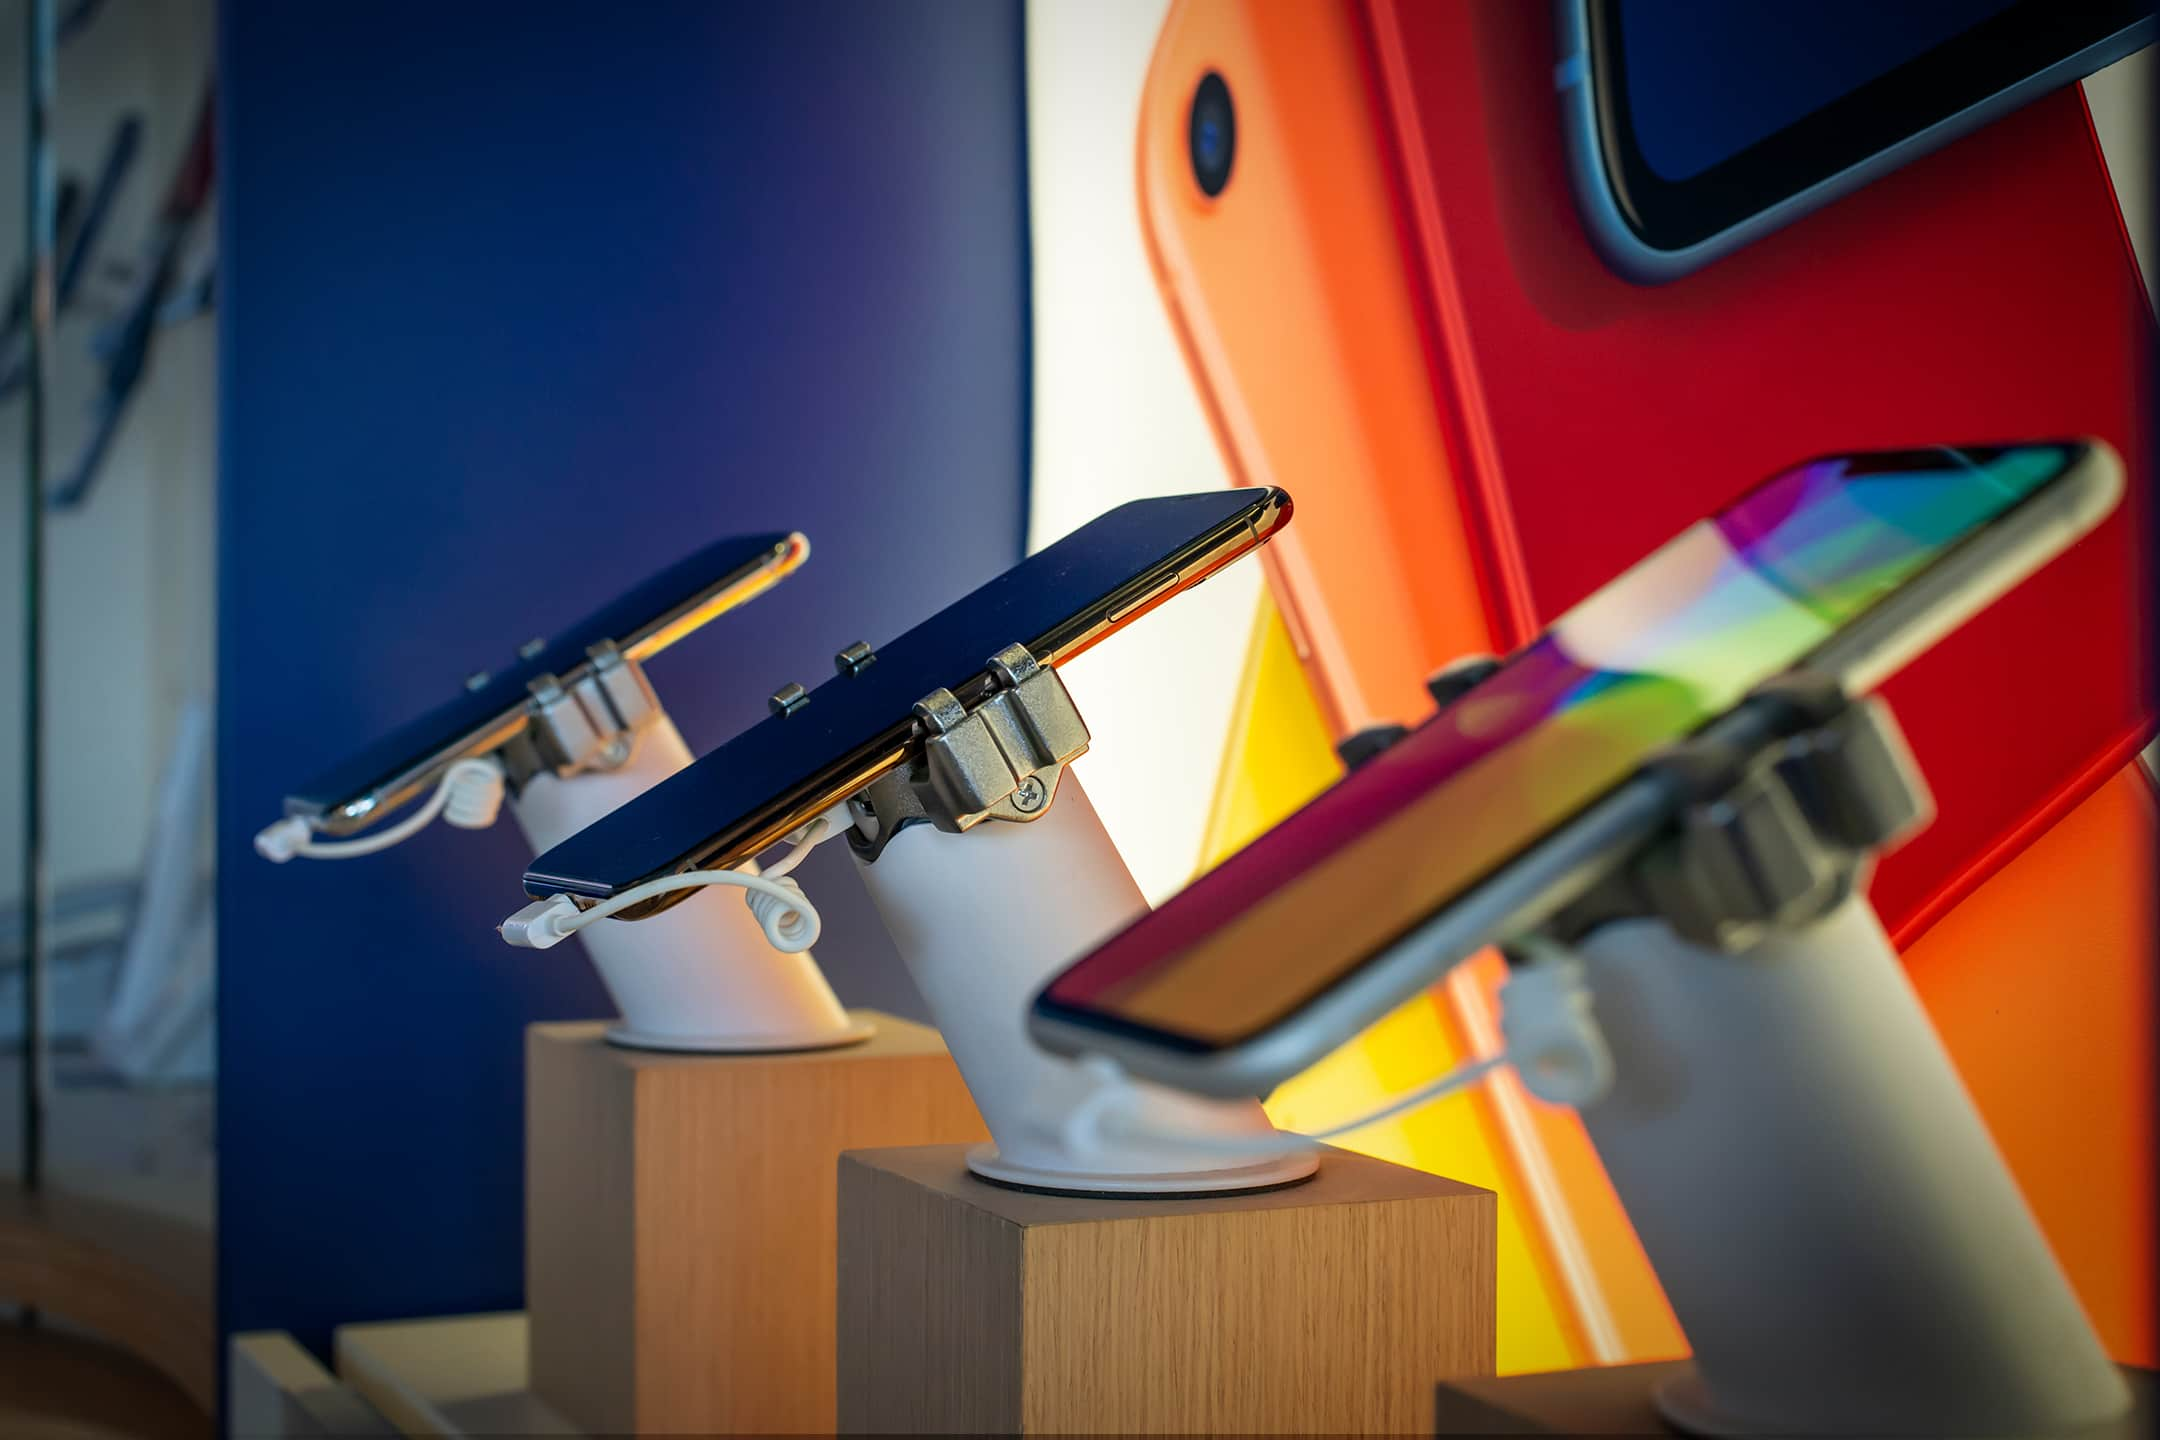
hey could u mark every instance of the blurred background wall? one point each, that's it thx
(130, 593)
(524, 301)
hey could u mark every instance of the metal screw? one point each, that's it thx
(1030, 796)
(532, 647)
(854, 659)
(788, 699)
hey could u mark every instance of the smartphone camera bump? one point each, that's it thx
(1212, 134)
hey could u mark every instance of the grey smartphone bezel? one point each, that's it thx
(1634, 258)
(1529, 889)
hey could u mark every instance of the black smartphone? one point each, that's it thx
(1693, 129)
(791, 768)
(496, 706)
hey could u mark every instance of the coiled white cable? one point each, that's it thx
(789, 920)
(780, 916)
(783, 912)
(469, 796)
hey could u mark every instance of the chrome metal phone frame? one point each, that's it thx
(1777, 817)
(997, 760)
(591, 724)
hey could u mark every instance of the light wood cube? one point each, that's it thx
(679, 1220)
(1335, 1305)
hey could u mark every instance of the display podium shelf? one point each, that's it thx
(1616, 1400)
(1329, 1306)
(679, 1220)
(459, 1376)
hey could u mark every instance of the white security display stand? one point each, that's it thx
(1833, 1225)
(1835, 1229)
(701, 975)
(983, 919)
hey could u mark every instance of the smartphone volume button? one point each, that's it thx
(1154, 592)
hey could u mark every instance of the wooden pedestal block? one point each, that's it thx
(1335, 1305)
(679, 1216)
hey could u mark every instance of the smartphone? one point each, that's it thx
(1694, 129)
(497, 703)
(792, 767)
(1392, 309)
(1530, 787)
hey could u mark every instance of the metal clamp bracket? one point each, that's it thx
(593, 724)
(1000, 760)
(1771, 834)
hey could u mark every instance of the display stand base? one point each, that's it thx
(629, 1037)
(1333, 1305)
(1266, 1174)
(1626, 1399)
(679, 1219)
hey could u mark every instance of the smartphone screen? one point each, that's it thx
(640, 621)
(788, 769)
(1671, 644)
(1681, 59)
(1714, 113)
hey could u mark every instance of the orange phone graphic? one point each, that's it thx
(1269, 284)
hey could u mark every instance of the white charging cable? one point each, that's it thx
(1552, 1041)
(469, 796)
(1546, 1023)
(1117, 1111)
(790, 922)
(801, 842)
(787, 917)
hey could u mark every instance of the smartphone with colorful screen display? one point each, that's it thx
(497, 703)
(1511, 799)
(789, 769)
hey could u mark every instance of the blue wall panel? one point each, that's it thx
(520, 302)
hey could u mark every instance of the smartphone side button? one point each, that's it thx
(1157, 591)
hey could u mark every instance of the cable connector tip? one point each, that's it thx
(281, 841)
(540, 925)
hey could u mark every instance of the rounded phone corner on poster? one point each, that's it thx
(1628, 254)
